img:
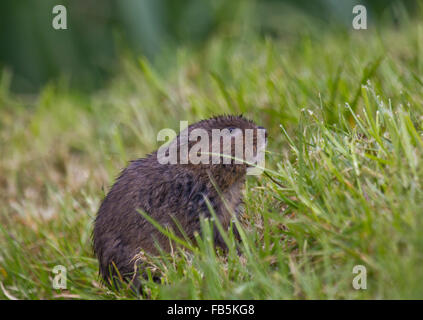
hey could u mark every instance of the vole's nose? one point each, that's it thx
(265, 134)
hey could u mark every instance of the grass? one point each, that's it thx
(344, 112)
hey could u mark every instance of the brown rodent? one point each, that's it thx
(166, 192)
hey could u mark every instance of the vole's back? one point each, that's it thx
(164, 192)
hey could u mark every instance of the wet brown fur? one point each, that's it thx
(164, 192)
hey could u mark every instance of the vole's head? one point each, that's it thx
(225, 145)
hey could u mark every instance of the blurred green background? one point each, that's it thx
(99, 33)
(343, 109)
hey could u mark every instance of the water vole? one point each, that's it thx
(168, 191)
